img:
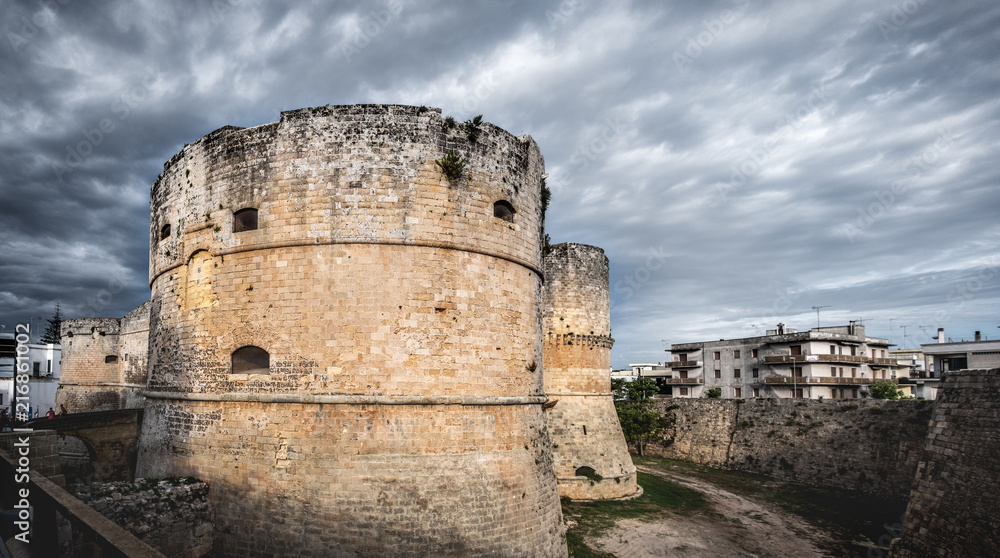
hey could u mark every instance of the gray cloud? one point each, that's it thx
(772, 156)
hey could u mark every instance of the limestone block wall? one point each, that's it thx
(867, 445)
(586, 435)
(174, 516)
(103, 362)
(399, 408)
(952, 509)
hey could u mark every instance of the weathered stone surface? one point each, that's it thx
(953, 505)
(174, 516)
(867, 445)
(88, 380)
(583, 423)
(400, 411)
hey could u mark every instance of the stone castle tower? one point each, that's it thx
(346, 344)
(591, 457)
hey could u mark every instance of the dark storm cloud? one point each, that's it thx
(739, 161)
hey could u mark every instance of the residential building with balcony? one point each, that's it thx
(825, 362)
(945, 356)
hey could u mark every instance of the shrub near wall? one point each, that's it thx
(866, 445)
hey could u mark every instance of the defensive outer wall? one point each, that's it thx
(353, 370)
(867, 445)
(953, 506)
(103, 362)
(591, 456)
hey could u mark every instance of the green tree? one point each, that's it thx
(885, 389)
(640, 423)
(713, 393)
(52, 331)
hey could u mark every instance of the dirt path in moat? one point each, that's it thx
(731, 526)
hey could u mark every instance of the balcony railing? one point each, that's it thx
(683, 381)
(883, 361)
(684, 364)
(817, 380)
(788, 359)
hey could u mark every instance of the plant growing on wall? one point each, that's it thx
(472, 128)
(452, 165)
(713, 393)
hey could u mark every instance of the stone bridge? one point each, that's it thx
(111, 438)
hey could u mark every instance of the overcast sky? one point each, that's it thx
(739, 161)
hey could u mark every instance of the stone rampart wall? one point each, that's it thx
(867, 445)
(174, 516)
(953, 506)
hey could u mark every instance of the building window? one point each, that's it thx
(683, 357)
(736, 372)
(797, 394)
(756, 392)
(504, 210)
(718, 373)
(110, 359)
(854, 372)
(841, 371)
(833, 371)
(251, 360)
(883, 353)
(36, 369)
(756, 373)
(165, 231)
(738, 393)
(873, 353)
(245, 220)
(833, 349)
(684, 391)
(717, 355)
(753, 353)
(854, 351)
(736, 353)
(795, 350)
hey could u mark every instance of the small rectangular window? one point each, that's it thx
(753, 353)
(738, 392)
(756, 373)
(736, 353)
(36, 368)
(736, 372)
(245, 220)
(111, 359)
(833, 349)
(684, 391)
(718, 373)
(756, 392)
(795, 350)
(717, 355)
(833, 371)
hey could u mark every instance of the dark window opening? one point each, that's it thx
(736, 372)
(736, 353)
(504, 210)
(165, 231)
(245, 220)
(110, 359)
(251, 360)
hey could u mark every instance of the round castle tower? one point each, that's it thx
(346, 344)
(591, 457)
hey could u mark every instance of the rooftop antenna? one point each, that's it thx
(816, 308)
(756, 328)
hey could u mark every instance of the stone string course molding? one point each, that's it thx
(400, 413)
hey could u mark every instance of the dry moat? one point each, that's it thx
(690, 510)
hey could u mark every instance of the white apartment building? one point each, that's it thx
(825, 362)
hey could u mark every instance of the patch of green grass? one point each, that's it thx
(593, 519)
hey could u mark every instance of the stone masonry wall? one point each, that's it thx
(173, 516)
(867, 445)
(88, 382)
(400, 409)
(953, 506)
(581, 414)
